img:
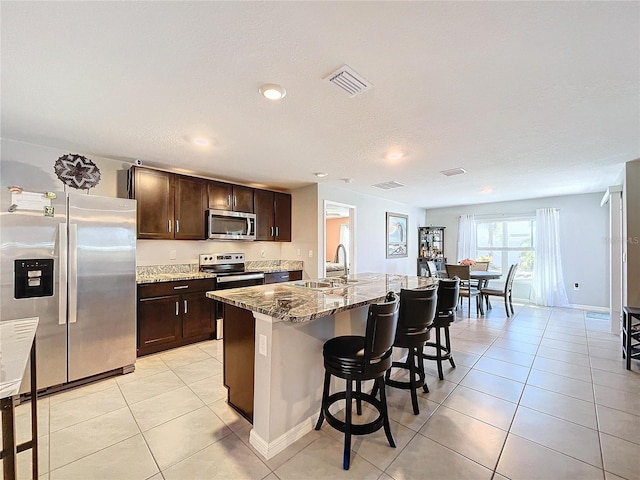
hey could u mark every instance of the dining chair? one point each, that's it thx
(504, 293)
(466, 289)
(432, 269)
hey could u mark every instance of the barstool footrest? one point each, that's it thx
(406, 385)
(356, 429)
(445, 354)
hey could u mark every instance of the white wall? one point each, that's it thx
(370, 230)
(584, 237)
(631, 231)
(31, 167)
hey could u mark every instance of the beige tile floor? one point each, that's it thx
(542, 396)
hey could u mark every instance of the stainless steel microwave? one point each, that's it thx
(224, 225)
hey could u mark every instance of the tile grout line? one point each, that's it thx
(495, 468)
(595, 408)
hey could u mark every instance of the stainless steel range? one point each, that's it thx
(229, 269)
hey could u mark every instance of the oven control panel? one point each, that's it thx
(207, 259)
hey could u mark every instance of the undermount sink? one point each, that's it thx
(324, 284)
(314, 285)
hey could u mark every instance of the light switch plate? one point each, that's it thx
(262, 345)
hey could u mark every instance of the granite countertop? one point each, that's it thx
(297, 304)
(172, 277)
(190, 271)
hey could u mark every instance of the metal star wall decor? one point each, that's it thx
(77, 171)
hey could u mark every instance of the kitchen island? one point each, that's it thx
(273, 338)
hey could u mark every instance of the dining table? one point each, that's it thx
(483, 277)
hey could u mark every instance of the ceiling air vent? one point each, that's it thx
(453, 171)
(389, 185)
(348, 80)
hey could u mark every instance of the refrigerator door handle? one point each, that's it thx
(73, 273)
(62, 274)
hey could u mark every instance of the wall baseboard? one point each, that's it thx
(271, 449)
(576, 306)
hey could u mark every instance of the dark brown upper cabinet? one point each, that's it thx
(273, 216)
(229, 197)
(170, 206)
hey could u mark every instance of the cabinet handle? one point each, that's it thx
(228, 200)
(180, 287)
(235, 202)
(277, 231)
(169, 224)
(271, 232)
(177, 226)
(177, 309)
(185, 307)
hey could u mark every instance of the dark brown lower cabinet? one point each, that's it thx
(172, 314)
(238, 334)
(278, 277)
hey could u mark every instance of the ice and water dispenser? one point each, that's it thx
(33, 278)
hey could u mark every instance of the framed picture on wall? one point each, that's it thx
(396, 235)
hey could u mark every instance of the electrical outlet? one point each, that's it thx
(262, 347)
(576, 286)
(298, 252)
(310, 253)
(172, 254)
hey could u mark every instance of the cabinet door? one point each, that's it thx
(282, 216)
(242, 199)
(189, 208)
(220, 195)
(158, 320)
(197, 315)
(239, 347)
(154, 192)
(263, 202)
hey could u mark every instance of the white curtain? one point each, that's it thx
(466, 237)
(548, 282)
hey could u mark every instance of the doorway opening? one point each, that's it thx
(339, 239)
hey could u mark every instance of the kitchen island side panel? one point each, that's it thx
(289, 378)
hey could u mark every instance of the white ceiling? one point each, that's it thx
(533, 99)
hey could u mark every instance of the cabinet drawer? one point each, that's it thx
(276, 277)
(174, 288)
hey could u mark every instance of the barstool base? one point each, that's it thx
(349, 429)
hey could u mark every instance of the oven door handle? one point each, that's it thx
(235, 278)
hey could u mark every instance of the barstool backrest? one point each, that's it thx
(448, 294)
(417, 310)
(381, 329)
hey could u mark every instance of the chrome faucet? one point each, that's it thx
(344, 256)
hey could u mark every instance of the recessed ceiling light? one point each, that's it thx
(321, 174)
(394, 155)
(203, 142)
(272, 91)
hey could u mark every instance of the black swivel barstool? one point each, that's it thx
(448, 295)
(358, 358)
(417, 310)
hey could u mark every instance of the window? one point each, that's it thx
(506, 241)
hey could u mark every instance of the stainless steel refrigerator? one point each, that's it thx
(71, 263)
